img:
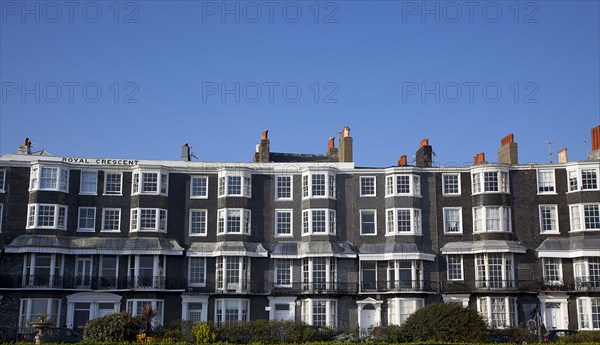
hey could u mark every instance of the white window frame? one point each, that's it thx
(159, 271)
(245, 184)
(2, 180)
(277, 186)
(331, 311)
(56, 268)
(505, 224)
(360, 219)
(62, 178)
(162, 180)
(478, 179)
(291, 213)
(25, 315)
(549, 232)
(578, 176)
(204, 225)
(415, 222)
(391, 185)
(329, 185)
(395, 317)
(308, 281)
(158, 212)
(444, 184)
(220, 309)
(35, 216)
(462, 267)
(360, 186)
(487, 313)
(186, 300)
(198, 196)
(330, 221)
(225, 283)
(95, 191)
(545, 263)
(542, 184)
(291, 273)
(1, 216)
(584, 273)
(485, 281)
(101, 269)
(120, 192)
(203, 282)
(79, 228)
(585, 319)
(245, 221)
(581, 213)
(108, 209)
(132, 306)
(460, 220)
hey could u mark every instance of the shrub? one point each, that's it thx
(205, 333)
(179, 330)
(446, 322)
(515, 335)
(112, 327)
(582, 337)
(263, 331)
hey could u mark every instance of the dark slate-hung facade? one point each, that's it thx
(300, 237)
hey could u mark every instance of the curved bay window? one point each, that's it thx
(494, 270)
(233, 273)
(405, 275)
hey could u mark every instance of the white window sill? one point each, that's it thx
(86, 230)
(550, 233)
(112, 194)
(199, 235)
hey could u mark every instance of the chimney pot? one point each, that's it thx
(402, 161)
(424, 142)
(345, 132)
(508, 153)
(331, 143)
(265, 134)
(508, 139)
(480, 157)
(596, 138)
(424, 155)
(345, 150)
(562, 156)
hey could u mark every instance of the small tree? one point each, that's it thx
(112, 327)
(148, 316)
(446, 323)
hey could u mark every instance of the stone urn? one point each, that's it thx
(42, 324)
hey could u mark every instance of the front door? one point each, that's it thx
(282, 312)
(553, 316)
(81, 316)
(368, 320)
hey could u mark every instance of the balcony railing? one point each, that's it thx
(90, 283)
(489, 285)
(315, 288)
(587, 284)
(398, 286)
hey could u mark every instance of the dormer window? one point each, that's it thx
(149, 182)
(235, 184)
(49, 178)
(403, 185)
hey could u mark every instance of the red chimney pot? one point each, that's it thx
(402, 161)
(508, 139)
(596, 138)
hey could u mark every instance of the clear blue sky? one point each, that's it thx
(369, 60)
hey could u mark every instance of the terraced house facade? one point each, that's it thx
(306, 237)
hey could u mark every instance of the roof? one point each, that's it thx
(93, 245)
(227, 248)
(294, 250)
(571, 247)
(393, 251)
(279, 157)
(488, 246)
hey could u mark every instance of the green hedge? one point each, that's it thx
(306, 343)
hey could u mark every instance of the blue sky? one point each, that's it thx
(137, 79)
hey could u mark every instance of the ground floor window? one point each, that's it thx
(232, 310)
(32, 307)
(194, 309)
(399, 309)
(320, 312)
(588, 312)
(135, 307)
(499, 312)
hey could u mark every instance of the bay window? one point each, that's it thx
(233, 221)
(149, 219)
(318, 221)
(233, 273)
(42, 270)
(49, 178)
(320, 312)
(46, 216)
(588, 313)
(403, 185)
(228, 310)
(491, 219)
(403, 275)
(318, 185)
(585, 217)
(147, 271)
(135, 307)
(587, 273)
(489, 181)
(31, 307)
(399, 309)
(149, 182)
(319, 273)
(494, 270)
(403, 221)
(235, 184)
(499, 312)
(583, 179)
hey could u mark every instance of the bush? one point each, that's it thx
(179, 330)
(582, 337)
(446, 322)
(205, 333)
(112, 327)
(390, 334)
(263, 331)
(515, 335)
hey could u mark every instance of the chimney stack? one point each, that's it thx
(263, 149)
(479, 158)
(25, 149)
(595, 154)
(508, 152)
(562, 156)
(345, 151)
(424, 154)
(332, 151)
(402, 161)
(186, 153)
